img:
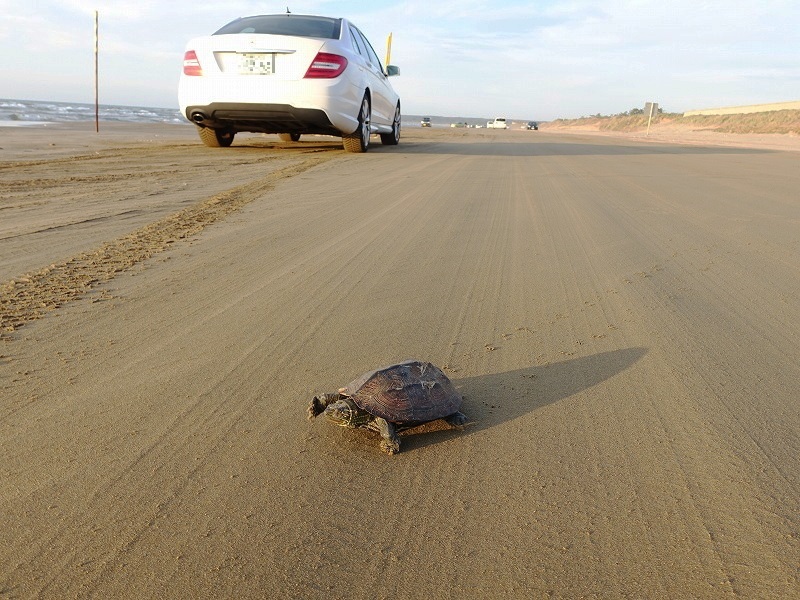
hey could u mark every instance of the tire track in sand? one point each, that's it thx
(35, 294)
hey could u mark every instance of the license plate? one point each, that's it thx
(257, 64)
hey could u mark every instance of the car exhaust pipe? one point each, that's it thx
(198, 117)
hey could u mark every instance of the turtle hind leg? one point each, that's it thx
(390, 442)
(319, 404)
(457, 420)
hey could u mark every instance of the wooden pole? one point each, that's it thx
(652, 106)
(388, 50)
(96, 73)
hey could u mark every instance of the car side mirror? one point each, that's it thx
(392, 70)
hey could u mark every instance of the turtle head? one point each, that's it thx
(345, 413)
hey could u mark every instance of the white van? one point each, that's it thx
(498, 123)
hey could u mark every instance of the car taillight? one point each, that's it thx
(326, 66)
(191, 66)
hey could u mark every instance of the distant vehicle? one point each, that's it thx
(532, 125)
(498, 123)
(291, 75)
(426, 122)
(459, 124)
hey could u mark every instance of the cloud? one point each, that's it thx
(122, 10)
(612, 53)
(481, 57)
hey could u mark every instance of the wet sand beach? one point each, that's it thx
(622, 317)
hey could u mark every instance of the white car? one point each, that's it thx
(291, 75)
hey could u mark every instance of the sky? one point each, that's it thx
(528, 59)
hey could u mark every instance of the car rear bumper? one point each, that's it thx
(264, 118)
(269, 106)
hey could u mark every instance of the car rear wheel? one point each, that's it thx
(358, 141)
(392, 139)
(216, 138)
(289, 137)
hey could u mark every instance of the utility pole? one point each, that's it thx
(96, 73)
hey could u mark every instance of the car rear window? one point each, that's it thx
(297, 25)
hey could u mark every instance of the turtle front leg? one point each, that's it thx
(390, 443)
(457, 420)
(319, 404)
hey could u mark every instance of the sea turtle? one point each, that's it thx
(392, 399)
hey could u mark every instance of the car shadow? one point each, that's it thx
(491, 400)
(305, 147)
(490, 147)
(546, 148)
(312, 145)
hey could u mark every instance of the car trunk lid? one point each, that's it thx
(277, 56)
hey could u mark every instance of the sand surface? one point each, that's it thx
(622, 317)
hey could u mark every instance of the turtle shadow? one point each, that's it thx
(490, 400)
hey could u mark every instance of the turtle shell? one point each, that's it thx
(410, 391)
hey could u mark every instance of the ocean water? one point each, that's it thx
(20, 113)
